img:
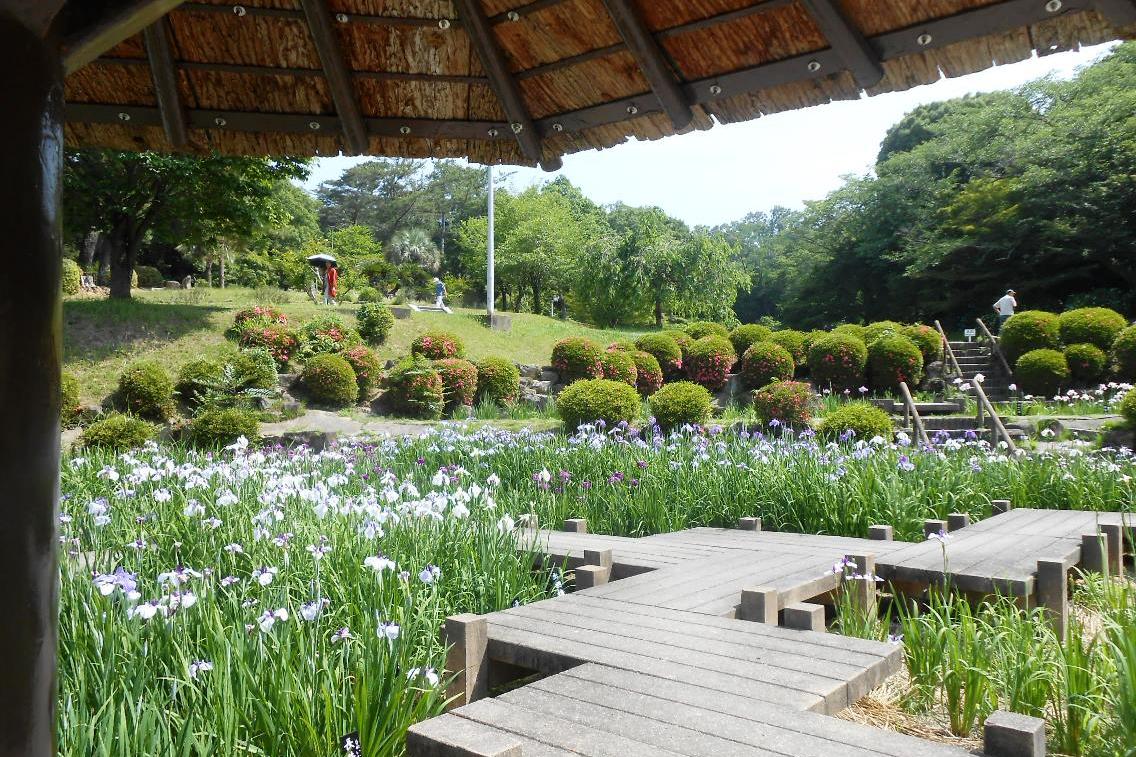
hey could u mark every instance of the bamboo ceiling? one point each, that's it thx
(510, 81)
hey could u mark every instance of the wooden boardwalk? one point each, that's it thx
(656, 658)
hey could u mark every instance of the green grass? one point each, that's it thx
(101, 337)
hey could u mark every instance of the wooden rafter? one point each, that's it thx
(856, 52)
(502, 81)
(651, 60)
(1119, 12)
(251, 70)
(164, 74)
(337, 74)
(106, 30)
(349, 18)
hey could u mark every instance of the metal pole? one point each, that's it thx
(489, 294)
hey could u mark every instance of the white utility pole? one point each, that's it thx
(489, 295)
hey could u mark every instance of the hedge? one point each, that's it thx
(598, 399)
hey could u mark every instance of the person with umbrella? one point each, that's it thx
(332, 289)
(327, 276)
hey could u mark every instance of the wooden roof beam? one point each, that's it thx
(1119, 12)
(856, 52)
(652, 62)
(338, 75)
(163, 72)
(502, 81)
(95, 36)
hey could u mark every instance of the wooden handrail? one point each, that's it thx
(995, 421)
(916, 421)
(996, 349)
(950, 353)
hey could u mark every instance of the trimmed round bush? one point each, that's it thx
(498, 381)
(1030, 330)
(577, 358)
(220, 427)
(794, 342)
(622, 345)
(1096, 326)
(1087, 363)
(747, 335)
(700, 329)
(784, 402)
(766, 362)
(375, 321)
(681, 338)
(262, 313)
(327, 334)
(598, 400)
(69, 407)
(854, 330)
(874, 331)
(838, 361)
(72, 277)
(437, 345)
(928, 341)
(459, 382)
(648, 374)
(1041, 372)
(681, 403)
(1128, 408)
(254, 369)
(665, 350)
(893, 358)
(709, 361)
(856, 420)
(194, 377)
(368, 372)
(415, 389)
(812, 338)
(329, 379)
(117, 432)
(280, 342)
(619, 366)
(1123, 354)
(149, 277)
(369, 294)
(146, 390)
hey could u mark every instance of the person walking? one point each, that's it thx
(439, 293)
(331, 285)
(1005, 307)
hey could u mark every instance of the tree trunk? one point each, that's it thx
(209, 273)
(90, 245)
(658, 313)
(222, 271)
(122, 255)
(103, 253)
(536, 299)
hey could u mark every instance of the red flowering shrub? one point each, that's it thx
(709, 361)
(368, 372)
(498, 381)
(437, 345)
(700, 329)
(459, 382)
(415, 389)
(648, 374)
(747, 335)
(623, 345)
(278, 340)
(764, 363)
(265, 313)
(577, 358)
(681, 338)
(794, 342)
(927, 339)
(838, 361)
(666, 351)
(326, 334)
(786, 402)
(892, 359)
(618, 366)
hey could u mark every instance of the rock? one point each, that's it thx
(173, 285)
(539, 401)
(530, 371)
(541, 387)
(549, 375)
(731, 392)
(70, 437)
(381, 405)
(401, 313)
(262, 403)
(287, 380)
(499, 322)
(391, 364)
(317, 440)
(557, 388)
(1119, 437)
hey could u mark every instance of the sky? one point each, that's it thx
(720, 175)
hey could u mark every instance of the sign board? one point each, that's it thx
(970, 334)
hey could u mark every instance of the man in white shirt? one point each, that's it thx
(1005, 307)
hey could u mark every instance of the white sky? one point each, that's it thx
(720, 175)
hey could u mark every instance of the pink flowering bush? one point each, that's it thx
(264, 313)
(368, 372)
(415, 389)
(498, 381)
(666, 351)
(577, 358)
(619, 366)
(764, 363)
(276, 338)
(648, 374)
(838, 361)
(459, 382)
(784, 403)
(709, 361)
(893, 359)
(438, 345)
(326, 334)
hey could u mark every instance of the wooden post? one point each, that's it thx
(1094, 552)
(31, 160)
(1053, 593)
(931, 526)
(600, 557)
(1001, 506)
(1114, 537)
(804, 617)
(467, 639)
(749, 524)
(863, 589)
(589, 576)
(881, 533)
(759, 605)
(576, 525)
(956, 521)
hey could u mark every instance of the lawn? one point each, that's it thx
(101, 337)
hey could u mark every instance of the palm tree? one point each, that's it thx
(415, 246)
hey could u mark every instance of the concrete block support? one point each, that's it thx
(576, 525)
(600, 557)
(453, 736)
(1053, 593)
(955, 521)
(803, 617)
(1010, 734)
(1094, 552)
(588, 576)
(881, 533)
(1001, 506)
(759, 605)
(932, 526)
(1114, 537)
(863, 589)
(467, 639)
(749, 524)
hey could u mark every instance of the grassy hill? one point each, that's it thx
(101, 337)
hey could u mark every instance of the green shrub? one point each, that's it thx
(812, 338)
(415, 389)
(1128, 408)
(681, 338)
(665, 350)
(498, 381)
(838, 361)
(260, 313)
(766, 362)
(69, 407)
(856, 420)
(149, 277)
(853, 330)
(329, 380)
(370, 295)
(437, 345)
(368, 372)
(219, 427)
(1030, 330)
(146, 390)
(195, 377)
(1087, 363)
(709, 361)
(598, 400)
(794, 342)
(619, 366)
(117, 432)
(254, 369)
(648, 374)
(784, 403)
(1041, 372)
(893, 358)
(72, 277)
(375, 322)
(577, 358)
(747, 335)
(1096, 326)
(274, 337)
(1123, 354)
(681, 403)
(874, 331)
(622, 345)
(327, 334)
(928, 341)
(700, 329)
(459, 382)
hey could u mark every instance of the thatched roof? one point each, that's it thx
(523, 82)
